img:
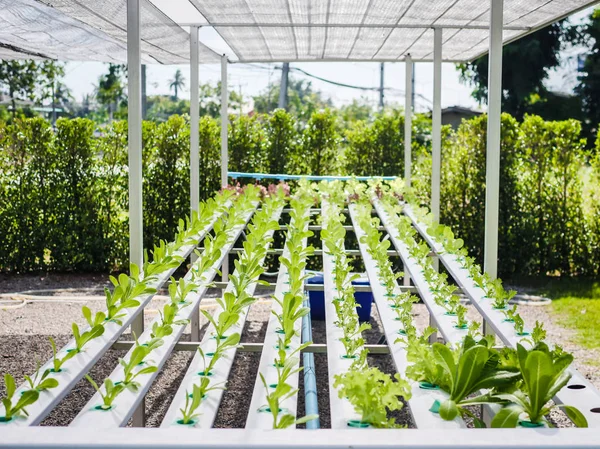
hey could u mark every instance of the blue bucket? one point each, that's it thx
(317, 299)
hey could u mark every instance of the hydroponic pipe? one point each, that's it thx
(283, 177)
(311, 404)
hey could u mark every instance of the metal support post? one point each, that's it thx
(194, 149)
(134, 116)
(436, 137)
(492, 171)
(408, 106)
(224, 149)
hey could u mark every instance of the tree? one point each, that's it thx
(19, 77)
(525, 66)
(51, 87)
(589, 80)
(177, 83)
(302, 99)
(110, 89)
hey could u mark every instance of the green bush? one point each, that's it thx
(281, 140)
(246, 144)
(319, 152)
(166, 180)
(64, 206)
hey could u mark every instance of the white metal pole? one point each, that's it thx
(224, 148)
(408, 106)
(194, 149)
(436, 153)
(492, 177)
(408, 110)
(224, 121)
(134, 117)
(194, 120)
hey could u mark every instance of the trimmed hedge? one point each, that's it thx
(63, 193)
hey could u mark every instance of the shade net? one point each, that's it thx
(288, 30)
(90, 30)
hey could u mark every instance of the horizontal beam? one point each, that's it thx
(386, 26)
(283, 177)
(321, 287)
(144, 438)
(315, 348)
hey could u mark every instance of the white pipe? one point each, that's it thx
(436, 153)
(134, 117)
(194, 121)
(408, 120)
(492, 177)
(224, 121)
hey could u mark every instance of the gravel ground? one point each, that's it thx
(30, 324)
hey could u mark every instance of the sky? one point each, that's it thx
(250, 79)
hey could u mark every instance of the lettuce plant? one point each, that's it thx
(139, 353)
(162, 260)
(82, 339)
(473, 367)
(27, 398)
(111, 391)
(192, 402)
(372, 393)
(543, 375)
(95, 320)
(127, 288)
(40, 381)
(57, 363)
(275, 396)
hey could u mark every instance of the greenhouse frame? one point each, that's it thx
(410, 31)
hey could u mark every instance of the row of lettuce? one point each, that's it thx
(520, 381)
(63, 193)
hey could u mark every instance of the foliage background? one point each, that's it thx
(63, 192)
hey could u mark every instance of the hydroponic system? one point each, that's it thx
(508, 369)
(455, 377)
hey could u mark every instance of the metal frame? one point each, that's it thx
(492, 170)
(408, 111)
(194, 119)
(436, 117)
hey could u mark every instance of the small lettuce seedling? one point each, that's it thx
(27, 398)
(275, 397)
(192, 402)
(82, 339)
(56, 362)
(139, 353)
(178, 291)
(111, 392)
(97, 320)
(40, 382)
(222, 323)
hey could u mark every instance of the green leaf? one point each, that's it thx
(508, 417)
(11, 387)
(448, 410)
(575, 415)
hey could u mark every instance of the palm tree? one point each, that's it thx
(177, 83)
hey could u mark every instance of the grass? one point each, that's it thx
(576, 305)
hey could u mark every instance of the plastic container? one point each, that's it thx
(317, 299)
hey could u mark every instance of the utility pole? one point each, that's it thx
(381, 87)
(283, 87)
